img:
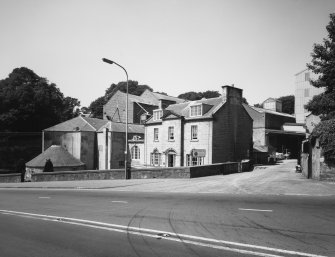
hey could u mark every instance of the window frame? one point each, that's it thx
(171, 133)
(156, 134)
(196, 110)
(135, 153)
(194, 128)
(157, 114)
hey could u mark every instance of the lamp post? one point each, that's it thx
(126, 145)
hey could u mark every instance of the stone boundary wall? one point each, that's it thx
(10, 178)
(327, 172)
(142, 173)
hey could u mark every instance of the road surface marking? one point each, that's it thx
(189, 239)
(119, 202)
(44, 197)
(242, 209)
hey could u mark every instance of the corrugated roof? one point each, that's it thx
(58, 156)
(261, 110)
(79, 124)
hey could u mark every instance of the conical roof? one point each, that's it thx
(58, 156)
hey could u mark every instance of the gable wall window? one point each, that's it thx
(194, 132)
(171, 133)
(196, 110)
(155, 134)
(135, 152)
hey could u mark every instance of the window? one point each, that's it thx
(307, 76)
(135, 152)
(194, 161)
(155, 158)
(171, 133)
(196, 110)
(158, 114)
(155, 134)
(306, 92)
(194, 132)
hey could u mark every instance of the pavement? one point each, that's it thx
(279, 179)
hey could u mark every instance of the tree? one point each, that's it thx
(133, 88)
(287, 104)
(323, 105)
(96, 107)
(192, 96)
(30, 103)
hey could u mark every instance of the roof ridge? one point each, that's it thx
(88, 123)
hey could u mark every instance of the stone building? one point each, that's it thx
(273, 130)
(199, 132)
(138, 106)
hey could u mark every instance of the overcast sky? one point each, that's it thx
(172, 46)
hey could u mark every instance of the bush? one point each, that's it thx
(325, 131)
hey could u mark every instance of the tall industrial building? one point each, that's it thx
(304, 92)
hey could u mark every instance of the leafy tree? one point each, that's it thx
(71, 108)
(258, 105)
(287, 104)
(30, 103)
(192, 96)
(244, 100)
(209, 94)
(133, 88)
(96, 107)
(323, 65)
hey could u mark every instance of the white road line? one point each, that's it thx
(242, 209)
(174, 237)
(119, 202)
(44, 197)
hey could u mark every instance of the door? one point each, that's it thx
(171, 160)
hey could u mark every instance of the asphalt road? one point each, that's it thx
(48, 222)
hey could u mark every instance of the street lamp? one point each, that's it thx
(126, 151)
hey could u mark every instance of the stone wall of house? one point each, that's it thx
(203, 142)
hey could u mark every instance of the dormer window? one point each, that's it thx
(196, 110)
(158, 114)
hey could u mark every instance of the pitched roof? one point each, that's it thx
(135, 98)
(167, 97)
(58, 156)
(121, 127)
(79, 124)
(183, 109)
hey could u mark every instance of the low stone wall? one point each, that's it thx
(10, 178)
(143, 173)
(175, 172)
(78, 175)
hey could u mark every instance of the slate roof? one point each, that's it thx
(121, 127)
(79, 124)
(167, 97)
(136, 98)
(183, 109)
(58, 156)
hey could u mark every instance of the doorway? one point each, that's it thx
(171, 160)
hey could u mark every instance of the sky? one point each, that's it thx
(172, 46)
